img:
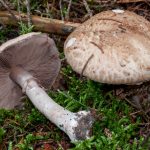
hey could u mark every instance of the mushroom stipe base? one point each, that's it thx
(76, 125)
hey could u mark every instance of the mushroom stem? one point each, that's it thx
(76, 125)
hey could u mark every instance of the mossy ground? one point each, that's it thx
(118, 125)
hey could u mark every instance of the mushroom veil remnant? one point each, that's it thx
(111, 47)
(27, 64)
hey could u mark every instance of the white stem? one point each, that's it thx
(76, 125)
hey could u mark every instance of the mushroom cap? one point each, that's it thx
(111, 47)
(37, 54)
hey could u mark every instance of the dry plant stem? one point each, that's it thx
(146, 139)
(130, 1)
(61, 11)
(68, 10)
(120, 1)
(40, 23)
(19, 11)
(87, 8)
(7, 7)
(28, 12)
(76, 125)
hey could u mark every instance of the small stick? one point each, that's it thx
(60, 5)
(68, 10)
(28, 12)
(130, 1)
(87, 8)
(132, 104)
(146, 140)
(19, 11)
(145, 116)
(7, 7)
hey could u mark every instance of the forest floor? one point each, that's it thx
(121, 124)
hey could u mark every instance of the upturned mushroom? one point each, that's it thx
(27, 64)
(111, 47)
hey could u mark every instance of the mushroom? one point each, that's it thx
(111, 47)
(27, 64)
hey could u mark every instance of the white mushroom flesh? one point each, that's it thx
(76, 125)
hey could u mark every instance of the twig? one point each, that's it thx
(132, 104)
(85, 65)
(130, 1)
(145, 116)
(146, 140)
(7, 7)
(68, 10)
(19, 11)
(60, 5)
(1, 24)
(28, 12)
(87, 8)
(134, 113)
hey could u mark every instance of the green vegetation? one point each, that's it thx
(113, 128)
(23, 28)
(7, 33)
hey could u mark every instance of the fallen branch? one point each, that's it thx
(40, 23)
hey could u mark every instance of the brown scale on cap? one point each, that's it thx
(119, 42)
(34, 52)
